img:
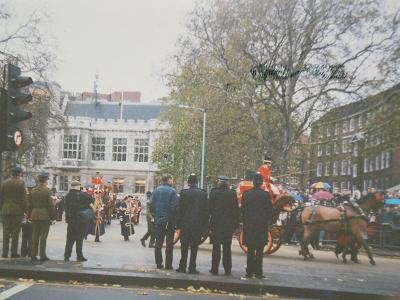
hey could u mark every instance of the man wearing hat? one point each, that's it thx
(12, 207)
(192, 220)
(265, 170)
(76, 202)
(42, 213)
(257, 215)
(224, 220)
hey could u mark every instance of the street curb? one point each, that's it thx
(129, 278)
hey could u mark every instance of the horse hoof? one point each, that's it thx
(312, 256)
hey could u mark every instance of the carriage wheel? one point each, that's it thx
(275, 238)
(266, 248)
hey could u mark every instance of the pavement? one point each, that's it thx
(114, 261)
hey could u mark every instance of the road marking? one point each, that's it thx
(14, 290)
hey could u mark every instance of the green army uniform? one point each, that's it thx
(12, 205)
(42, 210)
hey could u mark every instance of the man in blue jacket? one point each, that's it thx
(164, 202)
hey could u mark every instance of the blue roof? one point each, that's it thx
(111, 110)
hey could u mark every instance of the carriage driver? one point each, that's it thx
(265, 171)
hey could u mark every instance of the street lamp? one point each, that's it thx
(203, 145)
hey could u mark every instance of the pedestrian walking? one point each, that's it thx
(97, 227)
(192, 220)
(42, 214)
(224, 219)
(78, 214)
(126, 216)
(150, 225)
(12, 207)
(257, 215)
(163, 205)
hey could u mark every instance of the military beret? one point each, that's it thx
(43, 175)
(16, 169)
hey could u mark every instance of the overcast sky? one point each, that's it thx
(126, 42)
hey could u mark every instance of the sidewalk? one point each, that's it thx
(114, 261)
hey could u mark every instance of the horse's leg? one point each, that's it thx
(361, 238)
(307, 234)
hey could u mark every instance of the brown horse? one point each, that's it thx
(332, 219)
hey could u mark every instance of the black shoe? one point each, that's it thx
(194, 271)
(143, 242)
(213, 272)
(260, 276)
(66, 259)
(228, 273)
(168, 268)
(81, 259)
(248, 275)
(180, 270)
(126, 238)
(33, 258)
(97, 241)
(45, 258)
(160, 267)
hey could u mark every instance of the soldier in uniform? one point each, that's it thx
(126, 216)
(257, 213)
(42, 213)
(27, 228)
(224, 220)
(192, 220)
(12, 206)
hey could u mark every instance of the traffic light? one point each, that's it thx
(12, 98)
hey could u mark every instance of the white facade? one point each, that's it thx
(120, 149)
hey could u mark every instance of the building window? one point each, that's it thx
(387, 162)
(349, 167)
(335, 147)
(118, 185)
(355, 149)
(343, 167)
(366, 165)
(319, 150)
(98, 148)
(360, 122)
(335, 186)
(141, 151)
(72, 147)
(355, 171)
(328, 130)
(345, 126)
(328, 149)
(119, 149)
(371, 165)
(378, 162)
(335, 168)
(344, 146)
(343, 186)
(63, 183)
(319, 169)
(336, 129)
(383, 159)
(351, 126)
(327, 168)
(321, 132)
(140, 186)
(39, 158)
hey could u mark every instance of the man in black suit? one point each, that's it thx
(224, 220)
(192, 220)
(75, 202)
(257, 215)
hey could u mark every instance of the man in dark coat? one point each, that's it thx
(150, 225)
(75, 202)
(163, 206)
(12, 206)
(192, 220)
(224, 220)
(257, 215)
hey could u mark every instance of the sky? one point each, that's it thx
(128, 43)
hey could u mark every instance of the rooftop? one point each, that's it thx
(112, 110)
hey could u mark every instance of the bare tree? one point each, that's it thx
(294, 58)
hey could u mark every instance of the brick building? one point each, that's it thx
(349, 149)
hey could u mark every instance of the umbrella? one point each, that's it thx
(391, 201)
(322, 195)
(321, 185)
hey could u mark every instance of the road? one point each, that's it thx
(285, 266)
(14, 290)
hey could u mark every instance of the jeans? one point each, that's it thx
(164, 232)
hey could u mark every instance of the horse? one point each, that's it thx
(109, 211)
(333, 220)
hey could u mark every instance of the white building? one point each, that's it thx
(113, 138)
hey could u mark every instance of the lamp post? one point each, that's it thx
(203, 144)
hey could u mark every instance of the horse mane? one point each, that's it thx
(367, 197)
